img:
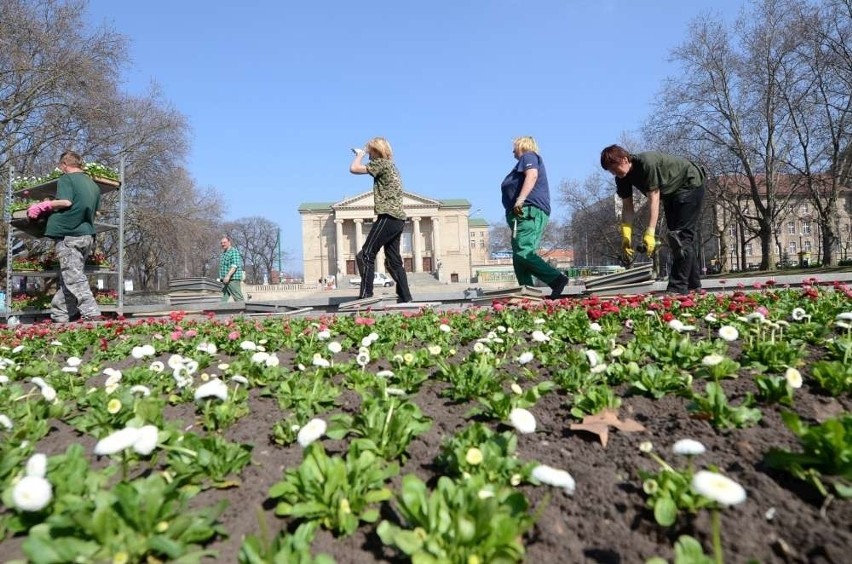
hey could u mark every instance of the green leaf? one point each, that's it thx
(665, 511)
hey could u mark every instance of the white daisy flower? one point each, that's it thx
(117, 441)
(540, 336)
(395, 392)
(444, 328)
(18, 349)
(592, 357)
(248, 346)
(214, 388)
(718, 488)
(146, 440)
(617, 351)
(516, 388)
(525, 357)
(480, 348)
(596, 327)
(145, 391)
(363, 358)
(373, 337)
(334, 347)
(598, 368)
(323, 335)
(473, 456)
(73, 361)
(434, 350)
(272, 361)
(538, 321)
(729, 333)
(209, 348)
(712, 359)
(137, 353)
(190, 365)
(39, 381)
(688, 447)
(37, 465)
(845, 316)
(711, 318)
(794, 378)
(240, 379)
(175, 361)
(313, 430)
(70, 369)
(554, 477)
(320, 361)
(32, 493)
(646, 446)
(48, 393)
(798, 314)
(755, 317)
(259, 357)
(156, 366)
(677, 325)
(366, 341)
(5, 422)
(385, 373)
(522, 420)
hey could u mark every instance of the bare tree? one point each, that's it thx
(727, 97)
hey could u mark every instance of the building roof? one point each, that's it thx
(327, 206)
(477, 222)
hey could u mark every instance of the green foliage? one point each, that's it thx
(594, 399)
(499, 460)
(715, 407)
(385, 425)
(773, 356)
(283, 549)
(687, 551)
(499, 404)
(656, 382)
(826, 451)
(470, 379)
(337, 492)
(205, 460)
(833, 376)
(773, 389)
(669, 492)
(467, 522)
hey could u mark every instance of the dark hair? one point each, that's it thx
(612, 155)
(70, 158)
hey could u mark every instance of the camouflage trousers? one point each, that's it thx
(74, 295)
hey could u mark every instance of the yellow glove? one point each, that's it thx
(627, 241)
(649, 240)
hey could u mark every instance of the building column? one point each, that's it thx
(436, 247)
(338, 247)
(415, 245)
(359, 235)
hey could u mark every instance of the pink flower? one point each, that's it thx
(234, 335)
(762, 310)
(191, 333)
(176, 335)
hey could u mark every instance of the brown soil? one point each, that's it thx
(604, 521)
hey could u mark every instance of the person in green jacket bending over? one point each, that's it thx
(678, 184)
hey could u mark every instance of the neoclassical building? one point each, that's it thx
(439, 237)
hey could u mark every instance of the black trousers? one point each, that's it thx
(386, 232)
(682, 211)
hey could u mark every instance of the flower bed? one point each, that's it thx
(550, 433)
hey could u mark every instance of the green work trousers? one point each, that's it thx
(527, 231)
(233, 289)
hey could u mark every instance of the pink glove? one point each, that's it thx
(37, 210)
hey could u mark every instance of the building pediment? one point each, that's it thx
(410, 201)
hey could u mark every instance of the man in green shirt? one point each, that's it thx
(71, 223)
(231, 271)
(678, 184)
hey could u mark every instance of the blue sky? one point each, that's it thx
(277, 91)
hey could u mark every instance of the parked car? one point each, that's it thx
(379, 279)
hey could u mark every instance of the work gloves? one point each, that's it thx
(40, 209)
(650, 241)
(519, 207)
(627, 242)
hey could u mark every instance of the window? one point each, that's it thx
(472, 244)
(405, 242)
(791, 228)
(482, 244)
(748, 250)
(804, 208)
(806, 228)
(733, 231)
(792, 248)
(807, 246)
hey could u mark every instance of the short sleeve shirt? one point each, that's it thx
(659, 171)
(387, 188)
(230, 258)
(511, 185)
(85, 198)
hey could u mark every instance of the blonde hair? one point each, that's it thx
(72, 159)
(380, 147)
(526, 145)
